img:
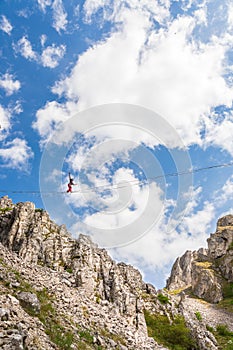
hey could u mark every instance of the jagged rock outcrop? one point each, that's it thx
(57, 292)
(206, 274)
(85, 290)
(220, 247)
(207, 270)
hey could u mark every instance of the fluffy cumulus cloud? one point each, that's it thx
(59, 16)
(219, 133)
(8, 83)
(16, 154)
(158, 249)
(24, 47)
(51, 116)
(58, 13)
(163, 69)
(230, 16)
(5, 117)
(5, 25)
(51, 55)
(177, 67)
(44, 3)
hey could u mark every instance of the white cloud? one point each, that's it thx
(174, 76)
(230, 16)
(44, 3)
(168, 71)
(92, 6)
(51, 55)
(225, 194)
(199, 221)
(25, 12)
(122, 216)
(9, 84)
(58, 13)
(220, 133)
(158, 249)
(52, 115)
(5, 25)
(43, 39)
(59, 16)
(5, 116)
(117, 212)
(24, 47)
(112, 10)
(16, 154)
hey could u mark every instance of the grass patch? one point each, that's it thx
(223, 330)
(227, 302)
(39, 210)
(175, 336)
(198, 316)
(59, 334)
(209, 328)
(47, 314)
(69, 269)
(87, 336)
(116, 337)
(5, 210)
(224, 337)
(163, 299)
(228, 290)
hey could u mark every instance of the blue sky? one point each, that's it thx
(120, 93)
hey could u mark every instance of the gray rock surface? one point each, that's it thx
(206, 270)
(56, 289)
(43, 267)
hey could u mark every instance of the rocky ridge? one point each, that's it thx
(57, 292)
(207, 271)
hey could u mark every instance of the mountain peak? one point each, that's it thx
(57, 292)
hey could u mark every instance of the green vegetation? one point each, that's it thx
(175, 335)
(223, 336)
(98, 298)
(227, 302)
(4, 210)
(69, 269)
(163, 299)
(228, 290)
(51, 319)
(48, 316)
(39, 210)
(209, 328)
(223, 330)
(198, 316)
(116, 337)
(87, 336)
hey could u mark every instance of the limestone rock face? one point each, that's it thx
(206, 270)
(32, 234)
(57, 290)
(206, 283)
(181, 271)
(47, 269)
(220, 246)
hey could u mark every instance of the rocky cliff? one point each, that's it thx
(57, 292)
(208, 272)
(205, 278)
